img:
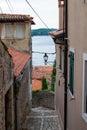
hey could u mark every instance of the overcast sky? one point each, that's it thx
(46, 9)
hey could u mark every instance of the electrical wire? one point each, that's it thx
(37, 14)
(43, 52)
(12, 10)
(9, 6)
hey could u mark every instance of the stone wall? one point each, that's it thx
(23, 95)
(43, 99)
(6, 90)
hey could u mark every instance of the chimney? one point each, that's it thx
(60, 5)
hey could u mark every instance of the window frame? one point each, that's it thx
(84, 115)
(14, 26)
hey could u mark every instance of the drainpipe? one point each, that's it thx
(15, 102)
(65, 61)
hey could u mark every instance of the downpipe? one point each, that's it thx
(65, 60)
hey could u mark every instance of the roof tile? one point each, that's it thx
(36, 84)
(19, 59)
(15, 18)
(41, 71)
(38, 73)
(56, 33)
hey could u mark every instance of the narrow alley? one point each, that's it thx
(43, 65)
(42, 118)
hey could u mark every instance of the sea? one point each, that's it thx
(40, 46)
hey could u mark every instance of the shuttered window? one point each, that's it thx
(71, 84)
(85, 89)
(61, 58)
(84, 95)
(9, 30)
(20, 31)
(14, 31)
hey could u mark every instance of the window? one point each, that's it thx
(9, 31)
(13, 31)
(71, 82)
(84, 101)
(2, 31)
(20, 31)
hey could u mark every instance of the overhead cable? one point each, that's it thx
(36, 14)
(9, 6)
(43, 52)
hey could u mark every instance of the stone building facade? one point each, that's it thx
(15, 31)
(6, 90)
(22, 90)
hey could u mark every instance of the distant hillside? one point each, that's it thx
(41, 31)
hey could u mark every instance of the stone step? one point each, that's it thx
(42, 119)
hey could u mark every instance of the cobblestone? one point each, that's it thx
(42, 119)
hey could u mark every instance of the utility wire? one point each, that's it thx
(37, 14)
(9, 6)
(43, 52)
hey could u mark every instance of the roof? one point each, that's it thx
(58, 36)
(36, 84)
(19, 59)
(16, 18)
(37, 75)
(56, 33)
(41, 71)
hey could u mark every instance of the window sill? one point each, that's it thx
(15, 38)
(9, 38)
(19, 38)
(84, 116)
(61, 74)
(72, 96)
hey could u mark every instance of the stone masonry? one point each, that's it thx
(43, 99)
(42, 119)
(6, 90)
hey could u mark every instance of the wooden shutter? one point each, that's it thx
(20, 31)
(72, 72)
(9, 30)
(61, 58)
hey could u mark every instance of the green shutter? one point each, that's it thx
(72, 72)
(61, 58)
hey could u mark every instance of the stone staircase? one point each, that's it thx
(42, 119)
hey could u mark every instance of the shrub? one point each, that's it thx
(44, 84)
(35, 91)
(53, 76)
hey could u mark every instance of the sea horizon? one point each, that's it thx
(40, 46)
